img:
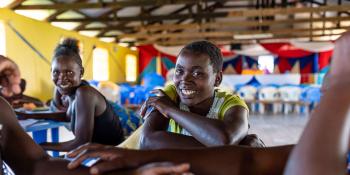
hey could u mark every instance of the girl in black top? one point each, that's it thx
(92, 118)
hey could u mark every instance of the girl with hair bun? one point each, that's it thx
(91, 116)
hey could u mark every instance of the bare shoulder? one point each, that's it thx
(236, 113)
(87, 92)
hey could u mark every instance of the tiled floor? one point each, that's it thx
(278, 129)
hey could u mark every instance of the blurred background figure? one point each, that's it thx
(13, 87)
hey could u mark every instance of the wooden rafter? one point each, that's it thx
(15, 4)
(105, 30)
(225, 33)
(59, 12)
(287, 11)
(218, 25)
(106, 14)
(146, 18)
(238, 13)
(121, 4)
(225, 40)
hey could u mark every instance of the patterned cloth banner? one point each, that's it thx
(148, 56)
(285, 50)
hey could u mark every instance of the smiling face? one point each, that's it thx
(66, 74)
(195, 78)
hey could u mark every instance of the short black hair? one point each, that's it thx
(69, 47)
(208, 48)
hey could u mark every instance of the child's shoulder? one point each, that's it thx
(227, 94)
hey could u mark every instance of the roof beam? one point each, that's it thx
(59, 12)
(146, 18)
(15, 4)
(218, 25)
(174, 42)
(287, 11)
(215, 25)
(121, 4)
(106, 14)
(236, 13)
(122, 25)
(224, 33)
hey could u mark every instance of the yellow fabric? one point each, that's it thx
(133, 141)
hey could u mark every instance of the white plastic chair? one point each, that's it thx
(110, 90)
(290, 96)
(248, 94)
(269, 95)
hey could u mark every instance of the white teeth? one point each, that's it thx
(64, 86)
(188, 92)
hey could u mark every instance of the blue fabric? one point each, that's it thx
(250, 61)
(138, 95)
(292, 61)
(94, 82)
(152, 80)
(305, 61)
(130, 121)
(168, 64)
(325, 69)
(231, 61)
(254, 82)
(312, 95)
(125, 90)
(150, 68)
(348, 163)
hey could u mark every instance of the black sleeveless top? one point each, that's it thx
(107, 127)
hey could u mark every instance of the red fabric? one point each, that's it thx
(324, 59)
(285, 50)
(147, 52)
(227, 54)
(307, 69)
(283, 65)
(164, 70)
(304, 79)
(239, 67)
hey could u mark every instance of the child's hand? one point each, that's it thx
(112, 158)
(161, 102)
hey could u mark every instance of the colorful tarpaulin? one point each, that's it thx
(236, 64)
(153, 61)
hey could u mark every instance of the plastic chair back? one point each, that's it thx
(268, 93)
(290, 93)
(247, 92)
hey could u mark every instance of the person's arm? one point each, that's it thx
(206, 131)
(29, 99)
(214, 132)
(323, 146)
(56, 116)
(155, 135)
(56, 103)
(225, 160)
(22, 154)
(25, 157)
(86, 102)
